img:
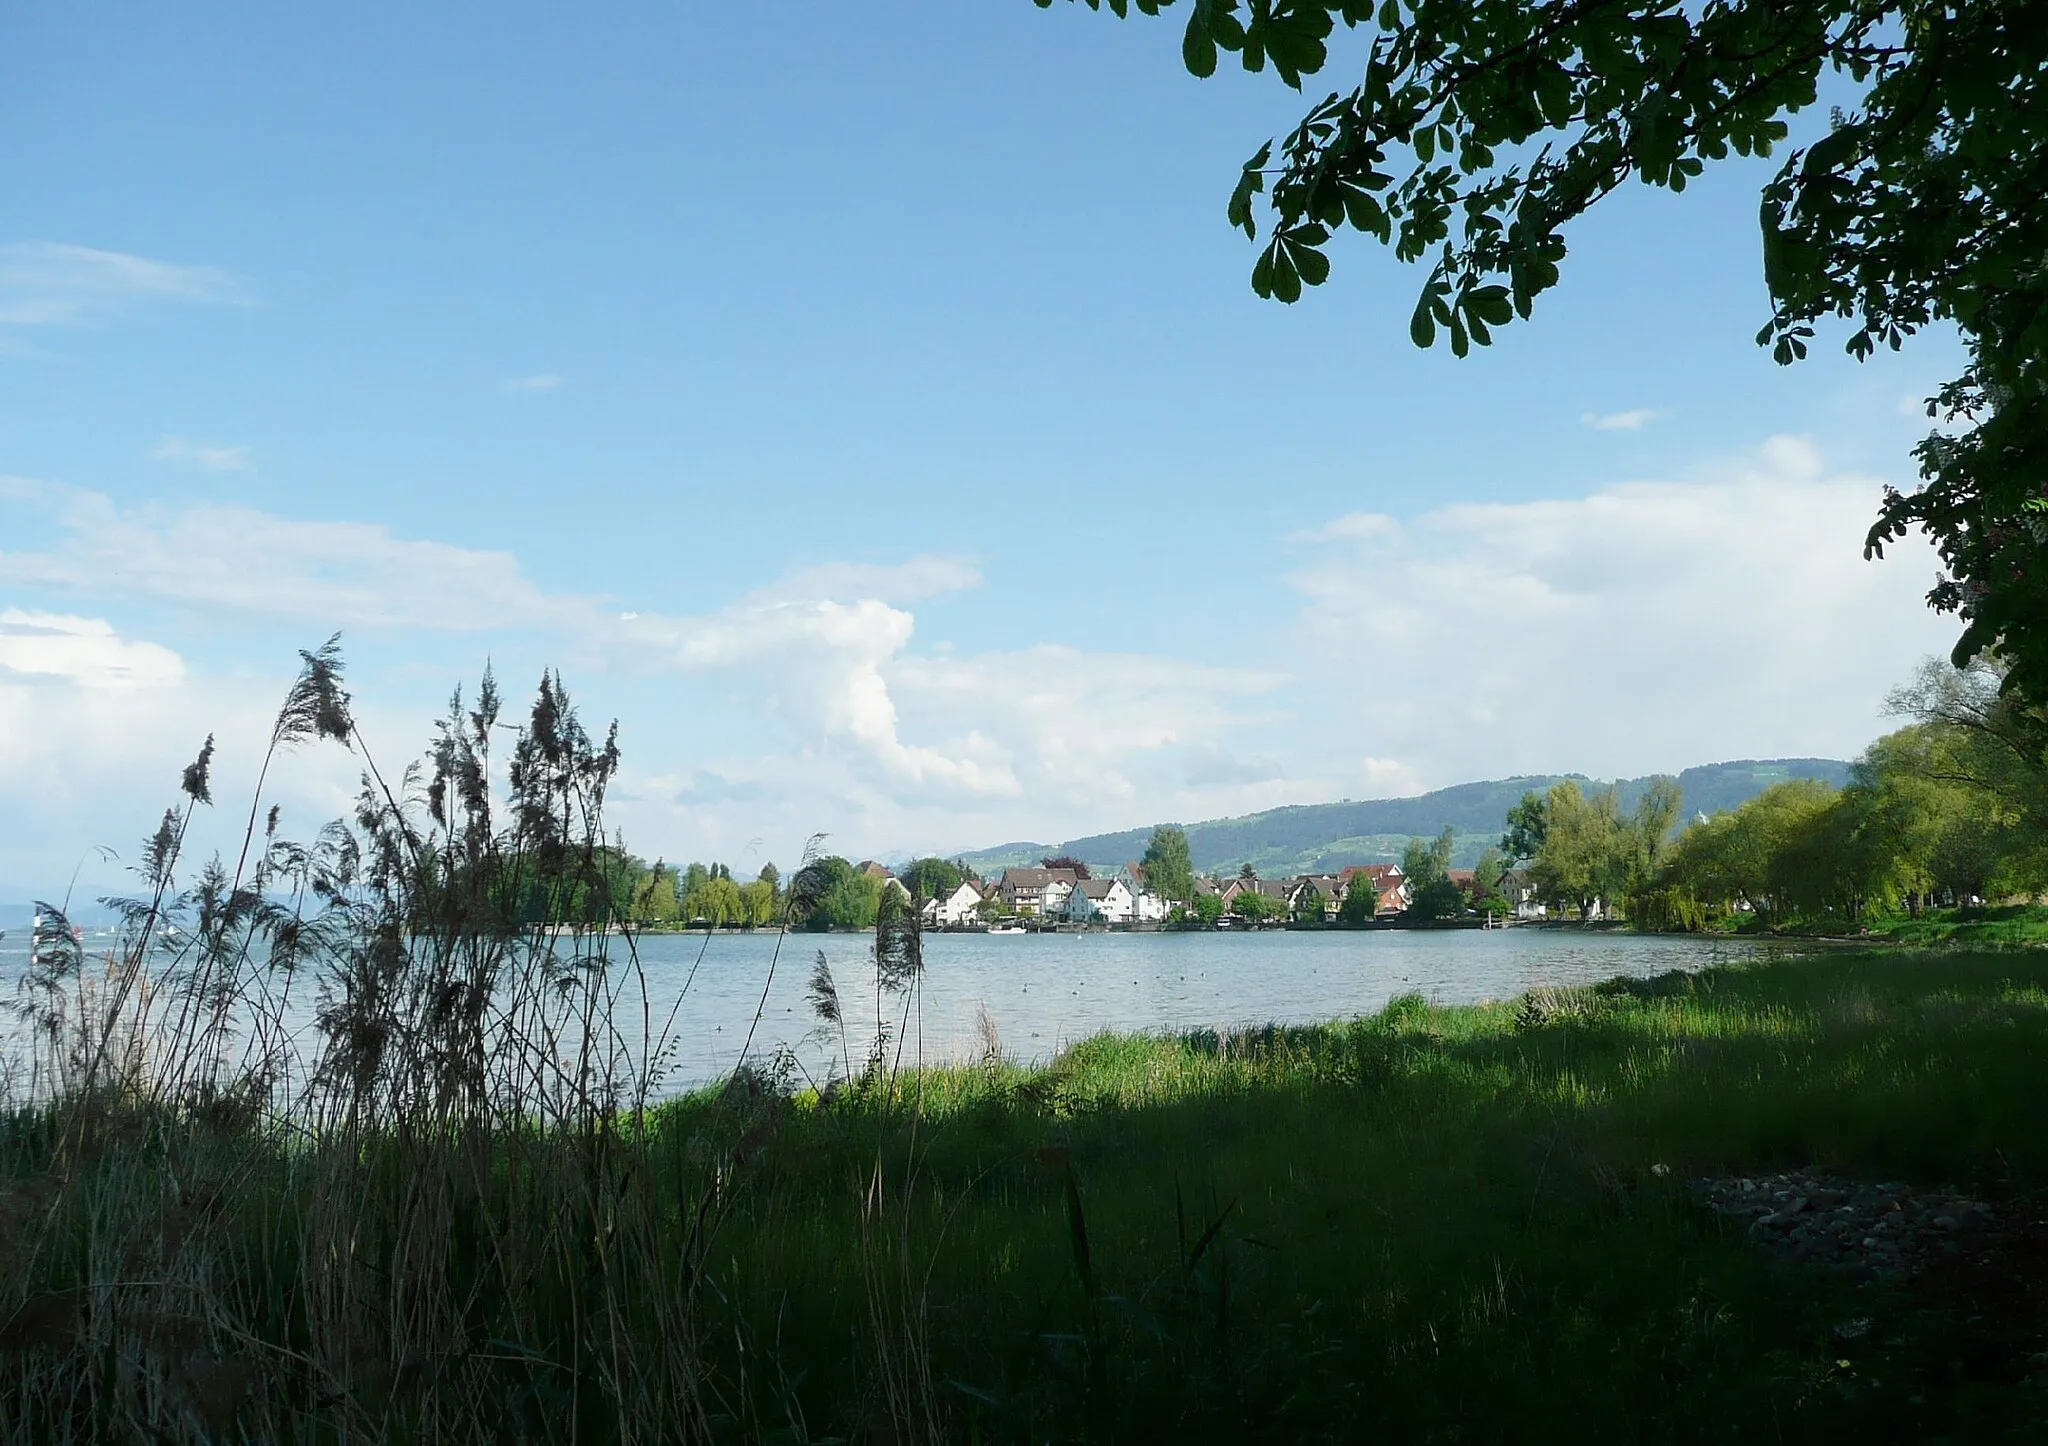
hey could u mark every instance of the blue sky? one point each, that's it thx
(893, 367)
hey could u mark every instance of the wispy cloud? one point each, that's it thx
(205, 458)
(1632, 421)
(51, 283)
(844, 719)
(1640, 626)
(544, 382)
(86, 651)
(240, 560)
(899, 582)
(1351, 527)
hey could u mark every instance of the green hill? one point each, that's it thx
(1314, 838)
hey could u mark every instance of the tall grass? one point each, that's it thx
(437, 1213)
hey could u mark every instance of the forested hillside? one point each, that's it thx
(1316, 837)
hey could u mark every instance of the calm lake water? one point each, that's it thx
(1047, 990)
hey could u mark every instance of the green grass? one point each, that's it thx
(2007, 924)
(1438, 1224)
(1430, 1225)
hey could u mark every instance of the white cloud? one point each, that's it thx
(912, 581)
(201, 456)
(1071, 723)
(244, 561)
(545, 382)
(48, 283)
(844, 725)
(86, 651)
(1645, 626)
(95, 729)
(1351, 527)
(1388, 778)
(1620, 421)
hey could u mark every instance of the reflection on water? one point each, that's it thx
(1047, 990)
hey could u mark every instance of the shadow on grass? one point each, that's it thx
(1463, 1224)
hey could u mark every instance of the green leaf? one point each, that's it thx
(1197, 46)
(1491, 305)
(1251, 182)
(1422, 326)
(1364, 213)
(1262, 272)
(1286, 280)
(1831, 150)
(1312, 264)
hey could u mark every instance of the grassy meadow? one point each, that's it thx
(1462, 1224)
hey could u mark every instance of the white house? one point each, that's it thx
(1036, 891)
(1100, 901)
(956, 908)
(1150, 908)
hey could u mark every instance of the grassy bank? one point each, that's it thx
(1465, 1224)
(1979, 927)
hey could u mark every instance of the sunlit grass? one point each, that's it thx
(1461, 1223)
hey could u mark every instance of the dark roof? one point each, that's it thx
(1037, 878)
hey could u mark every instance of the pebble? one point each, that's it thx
(1883, 1228)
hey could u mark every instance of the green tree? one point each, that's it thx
(1435, 900)
(1654, 820)
(1479, 131)
(931, 878)
(720, 903)
(1256, 908)
(1361, 902)
(1585, 853)
(758, 903)
(1487, 873)
(1524, 837)
(830, 893)
(654, 897)
(1738, 858)
(1427, 863)
(1169, 865)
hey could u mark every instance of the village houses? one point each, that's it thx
(1062, 896)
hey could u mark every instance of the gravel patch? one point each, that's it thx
(1884, 1228)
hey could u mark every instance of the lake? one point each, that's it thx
(1046, 990)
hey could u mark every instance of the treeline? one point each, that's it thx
(835, 893)
(1582, 853)
(701, 895)
(1950, 810)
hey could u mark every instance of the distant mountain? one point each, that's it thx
(1319, 837)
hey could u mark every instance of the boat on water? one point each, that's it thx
(1006, 929)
